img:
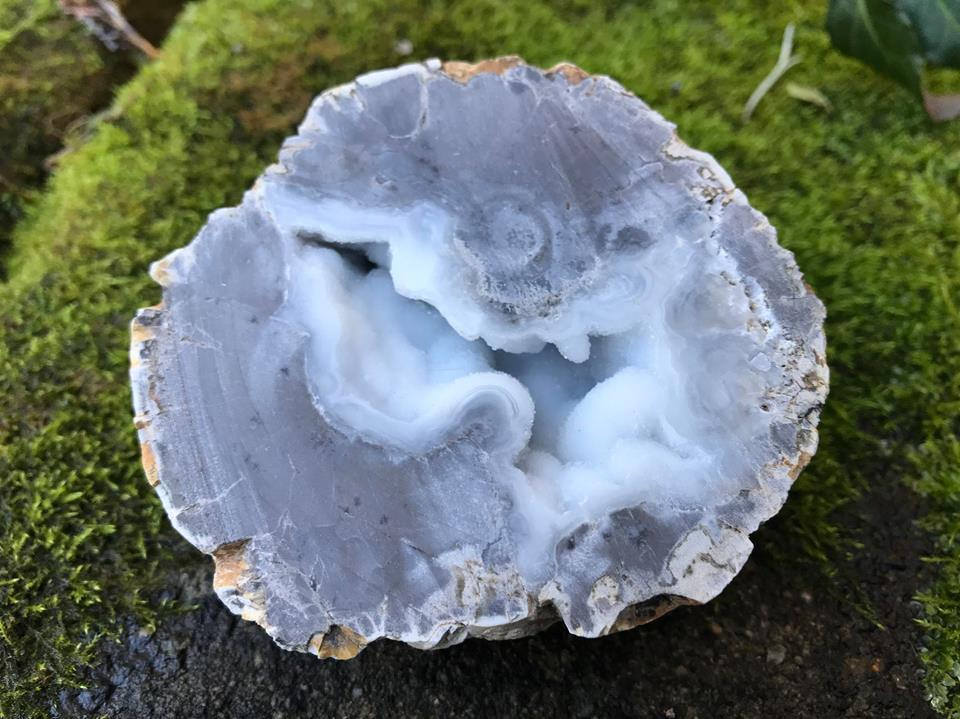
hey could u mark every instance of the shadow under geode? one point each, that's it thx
(781, 641)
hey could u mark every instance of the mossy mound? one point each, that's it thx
(867, 197)
(53, 74)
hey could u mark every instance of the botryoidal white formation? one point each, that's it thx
(489, 347)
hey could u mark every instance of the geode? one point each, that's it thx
(489, 347)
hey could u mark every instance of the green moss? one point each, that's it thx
(937, 463)
(54, 77)
(866, 197)
(52, 74)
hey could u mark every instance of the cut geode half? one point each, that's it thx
(489, 347)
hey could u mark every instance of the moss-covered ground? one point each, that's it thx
(53, 76)
(867, 196)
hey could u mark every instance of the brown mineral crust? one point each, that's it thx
(573, 74)
(142, 333)
(160, 272)
(339, 642)
(462, 72)
(149, 460)
(802, 460)
(232, 578)
(230, 565)
(648, 611)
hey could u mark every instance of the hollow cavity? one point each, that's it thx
(646, 417)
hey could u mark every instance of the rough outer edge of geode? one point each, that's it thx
(235, 583)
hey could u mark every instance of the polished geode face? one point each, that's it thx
(479, 352)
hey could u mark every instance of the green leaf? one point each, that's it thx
(876, 32)
(937, 25)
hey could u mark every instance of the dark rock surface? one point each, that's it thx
(780, 642)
